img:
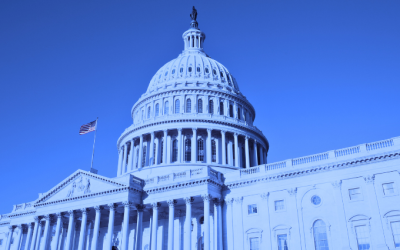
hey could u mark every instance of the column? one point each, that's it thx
(229, 224)
(70, 230)
(194, 145)
(151, 153)
(223, 146)
(188, 223)
(34, 235)
(120, 155)
(125, 153)
(131, 152)
(38, 235)
(28, 236)
(378, 239)
(140, 152)
(139, 223)
(96, 227)
(261, 155)
(125, 229)
(171, 217)
(230, 153)
(58, 228)
(293, 213)
(180, 147)
(18, 243)
(156, 206)
(236, 149)
(247, 152)
(110, 231)
(10, 233)
(46, 231)
(344, 236)
(209, 146)
(206, 198)
(255, 153)
(264, 212)
(165, 147)
(82, 235)
(218, 222)
(237, 223)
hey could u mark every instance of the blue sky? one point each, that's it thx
(321, 75)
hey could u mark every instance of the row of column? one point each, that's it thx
(126, 153)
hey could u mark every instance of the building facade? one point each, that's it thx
(192, 173)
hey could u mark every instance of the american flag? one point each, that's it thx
(89, 127)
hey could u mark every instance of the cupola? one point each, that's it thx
(193, 38)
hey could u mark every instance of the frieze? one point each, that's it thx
(21, 214)
(183, 185)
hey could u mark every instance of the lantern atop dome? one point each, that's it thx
(193, 38)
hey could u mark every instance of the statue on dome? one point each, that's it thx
(194, 14)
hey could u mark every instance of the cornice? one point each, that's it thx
(309, 171)
(22, 214)
(183, 185)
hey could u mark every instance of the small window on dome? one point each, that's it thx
(159, 76)
(198, 69)
(173, 71)
(166, 73)
(229, 79)
(190, 69)
(206, 70)
(181, 70)
(214, 72)
(222, 75)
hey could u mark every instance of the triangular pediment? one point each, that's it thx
(80, 183)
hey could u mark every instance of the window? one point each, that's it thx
(200, 109)
(239, 113)
(214, 72)
(188, 150)
(148, 112)
(1, 242)
(230, 110)
(206, 70)
(362, 237)
(396, 233)
(144, 156)
(282, 242)
(166, 73)
(190, 69)
(162, 151)
(252, 209)
(188, 106)
(181, 70)
(320, 236)
(198, 69)
(214, 151)
(254, 243)
(316, 200)
(154, 153)
(221, 108)
(388, 188)
(211, 107)
(279, 205)
(177, 104)
(173, 71)
(229, 79)
(142, 114)
(166, 108)
(200, 148)
(157, 109)
(221, 74)
(174, 151)
(159, 76)
(355, 194)
(245, 116)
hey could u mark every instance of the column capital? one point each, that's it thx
(19, 226)
(156, 205)
(84, 210)
(140, 207)
(292, 191)
(239, 199)
(36, 219)
(71, 212)
(217, 201)
(369, 179)
(98, 208)
(255, 141)
(246, 138)
(228, 201)
(179, 130)
(188, 200)
(126, 203)
(141, 137)
(165, 130)
(112, 206)
(59, 214)
(30, 225)
(194, 129)
(10, 227)
(46, 217)
(172, 203)
(223, 132)
(264, 196)
(206, 197)
(209, 131)
(337, 184)
(235, 134)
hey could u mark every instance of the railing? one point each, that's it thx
(248, 171)
(214, 173)
(380, 144)
(196, 171)
(274, 166)
(179, 175)
(347, 151)
(149, 181)
(311, 158)
(163, 178)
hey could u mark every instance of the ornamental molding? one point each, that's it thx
(21, 214)
(183, 185)
(310, 171)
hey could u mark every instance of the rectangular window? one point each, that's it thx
(388, 188)
(396, 233)
(252, 209)
(282, 242)
(1, 242)
(279, 205)
(362, 238)
(355, 194)
(254, 244)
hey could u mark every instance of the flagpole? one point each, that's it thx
(94, 143)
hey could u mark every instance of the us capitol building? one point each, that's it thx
(193, 174)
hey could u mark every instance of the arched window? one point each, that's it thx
(148, 112)
(166, 108)
(214, 151)
(177, 104)
(188, 150)
(200, 104)
(206, 70)
(173, 71)
(157, 109)
(200, 150)
(198, 69)
(188, 106)
(239, 113)
(144, 156)
(190, 69)
(230, 110)
(221, 108)
(320, 236)
(174, 150)
(211, 107)
(162, 151)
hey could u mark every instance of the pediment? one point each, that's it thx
(78, 184)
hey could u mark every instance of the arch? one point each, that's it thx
(144, 156)
(213, 151)
(211, 107)
(177, 106)
(320, 235)
(188, 149)
(188, 106)
(175, 150)
(157, 109)
(221, 108)
(200, 106)
(200, 150)
(166, 108)
(230, 110)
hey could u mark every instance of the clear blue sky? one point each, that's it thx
(321, 75)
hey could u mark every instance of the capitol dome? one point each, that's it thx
(192, 115)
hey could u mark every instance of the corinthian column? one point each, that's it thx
(34, 235)
(344, 242)
(28, 236)
(236, 149)
(125, 233)
(255, 154)
(10, 233)
(130, 159)
(82, 236)
(218, 222)
(19, 235)
(110, 226)
(37, 247)
(120, 156)
(247, 152)
(223, 146)
(194, 145)
(164, 160)
(188, 223)
(140, 152)
(70, 230)
(46, 232)
(96, 227)
(206, 198)
(58, 227)
(156, 206)
(180, 147)
(171, 205)
(139, 223)
(151, 153)
(209, 146)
